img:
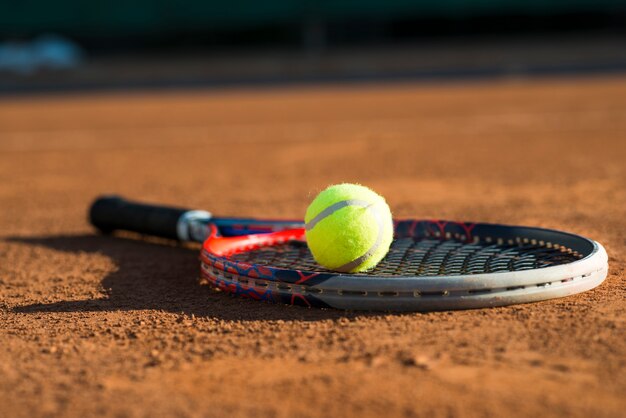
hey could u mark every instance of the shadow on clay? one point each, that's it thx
(161, 276)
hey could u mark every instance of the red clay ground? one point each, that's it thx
(115, 327)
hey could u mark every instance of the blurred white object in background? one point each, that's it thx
(50, 51)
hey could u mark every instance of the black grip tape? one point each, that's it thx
(111, 213)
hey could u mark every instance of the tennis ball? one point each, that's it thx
(348, 228)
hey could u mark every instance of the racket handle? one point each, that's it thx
(111, 213)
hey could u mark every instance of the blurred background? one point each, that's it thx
(77, 45)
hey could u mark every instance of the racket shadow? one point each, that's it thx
(160, 276)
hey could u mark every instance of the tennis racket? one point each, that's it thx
(432, 264)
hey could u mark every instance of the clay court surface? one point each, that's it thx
(120, 327)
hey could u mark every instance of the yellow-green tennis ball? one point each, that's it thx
(348, 228)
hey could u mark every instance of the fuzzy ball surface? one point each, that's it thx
(349, 228)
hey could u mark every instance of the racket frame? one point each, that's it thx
(224, 237)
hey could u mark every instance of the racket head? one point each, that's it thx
(432, 265)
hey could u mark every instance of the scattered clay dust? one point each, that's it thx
(117, 327)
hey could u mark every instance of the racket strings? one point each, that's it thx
(425, 257)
